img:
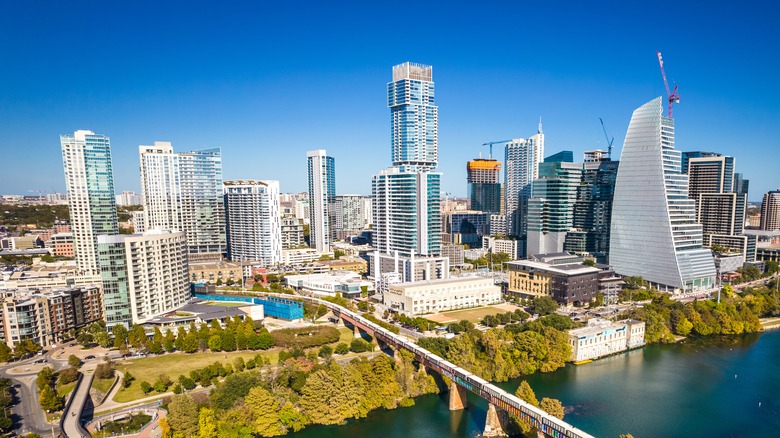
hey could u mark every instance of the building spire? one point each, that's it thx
(540, 125)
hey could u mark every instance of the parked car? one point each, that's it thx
(41, 361)
(89, 357)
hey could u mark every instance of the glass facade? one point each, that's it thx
(551, 206)
(654, 231)
(86, 158)
(254, 229)
(522, 158)
(322, 196)
(414, 117)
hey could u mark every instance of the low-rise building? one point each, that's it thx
(347, 283)
(559, 277)
(62, 244)
(213, 271)
(454, 252)
(431, 296)
(497, 245)
(300, 256)
(355, 264)
(602, 338)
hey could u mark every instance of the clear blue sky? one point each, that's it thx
(267, 81)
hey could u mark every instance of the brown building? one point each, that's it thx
(568, 283)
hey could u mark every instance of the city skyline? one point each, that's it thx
(263, 81)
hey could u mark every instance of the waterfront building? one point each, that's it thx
(254, 229)
(292, 232)
(406, 197)
(484, 185)
(602, 338)
(593, 207)
(522, 158)
(412, 268)
(86, 157)
(322, 195)
(299, 256)
(720, 207)
(560, 276)
(654, 232)
(430, 296)
(686, 157)
(144, 275)
(770, 211)
(551, 206)
(44, 316)
(183, 192)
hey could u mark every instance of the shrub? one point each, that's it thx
(68, 375)
(360, 346)
(146, 387)
(305, 337)
(342, 348)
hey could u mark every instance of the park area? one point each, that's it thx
(473, 315)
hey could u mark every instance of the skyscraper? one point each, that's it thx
(522, 158)
(551, 206)
(86, 158)
(322, 194)
(348, 213)
(719, 208)
(484, 185)
(407, 196)
(183, 192)
(654, 232)
(254, 229)
(770, 211)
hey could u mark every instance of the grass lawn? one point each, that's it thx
(473, 315)
(64, 390)
(226, 304)
(175, 364)
(347, 336)
(103, 385)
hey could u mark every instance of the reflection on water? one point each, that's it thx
(709, 387)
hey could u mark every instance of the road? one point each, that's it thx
(72, 425)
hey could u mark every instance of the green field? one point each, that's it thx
(103, 385)
(473, 315)
(174, 365)
(64, 390)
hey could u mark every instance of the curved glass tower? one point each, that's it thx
(654, 231)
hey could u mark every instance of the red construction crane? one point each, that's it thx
(674, 96)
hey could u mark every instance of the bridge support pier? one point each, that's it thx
(357, 333)
(493, 423)
(458, 398)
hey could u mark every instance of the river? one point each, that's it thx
(701, 388)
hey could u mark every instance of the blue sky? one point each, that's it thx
(267, 81)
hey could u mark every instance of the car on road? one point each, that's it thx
(89, 357)
(40, 361)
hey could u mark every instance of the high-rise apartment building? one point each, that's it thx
(183, 192)
(292, 232)
(144, 275)
(406, 197)
(654, 232)
(593, 208)
(551, 206)
(254, 230)
(484, 185)
(770, 211)
(348, 212)
(322, 195)
(86, 157)
(521, 158)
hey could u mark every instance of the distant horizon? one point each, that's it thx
(266, 84)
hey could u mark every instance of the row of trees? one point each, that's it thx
(305, 337)
(514, 351)
(6, 397)
(297, 393)
(23, 348)
(505, 318)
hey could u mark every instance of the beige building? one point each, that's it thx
(215, 270)
(430, 296)
(602, 338)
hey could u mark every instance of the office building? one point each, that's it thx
(322, 195)
(484, 185)
(406, 197)
(86, 157)
(522, 158)
(183, 192)
(440, 295)
(254, 229)
(348, 283)
(144, 275)
(455, 253)
(593, 208)
(654, 231)
(466, 227)
(560, 276)
(551, 206)
(770, 211)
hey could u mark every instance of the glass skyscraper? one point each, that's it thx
(86, 158)
(322, 195)
(254, 229)
(522, 158)
(551, 206)
(414, 117)
(654, 232)
(484, 185)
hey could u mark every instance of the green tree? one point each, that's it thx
(145, 387)
(5, 352)
(74, 361)
(544, 305)
(169, 341)
(49, 400)
(215, 343)
(525, 393)
(68, 375)
(341, 348)
(120, 335)
(553, 407)
(326, 351)
(266, 412)
(291, 418)
(183, 416)
(127, 379)
(45, 378)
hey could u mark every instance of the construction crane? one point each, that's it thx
(673, 96)
(609, 141)
(491, 143)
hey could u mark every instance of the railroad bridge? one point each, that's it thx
(462, 380)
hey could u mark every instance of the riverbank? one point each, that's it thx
(770, 324)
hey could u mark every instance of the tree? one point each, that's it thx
(146, 387)
(525, 393)
(239, 364)
(291, 418)
(553, 407)
(102, 338)
(215, 343)
(183, 416)
(74, 361)
(544, 305)
(341, 348)
(49, 400)
(104, 371)
(169, 341)
(326, 351)
(207, 423)
(45, 378)
(5, 352)
(120, 335)
(68, 375)
(266, 412)
(360, 345)
(127, 379)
